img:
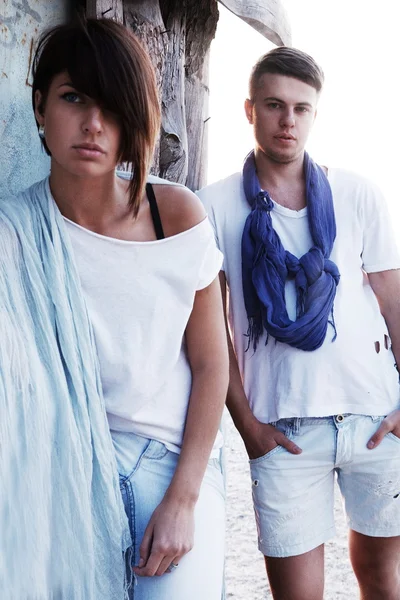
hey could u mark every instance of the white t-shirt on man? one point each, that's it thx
(347, 375)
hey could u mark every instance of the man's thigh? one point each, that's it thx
(293, 495)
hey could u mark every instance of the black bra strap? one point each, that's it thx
(155, 215)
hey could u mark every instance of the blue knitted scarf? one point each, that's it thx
(266, 265)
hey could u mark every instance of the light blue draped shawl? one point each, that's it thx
(63, 530)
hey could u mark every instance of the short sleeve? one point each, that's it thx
(204, 197)
(212, 260)
(380, 251)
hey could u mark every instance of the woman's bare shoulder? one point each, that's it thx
(180, 209)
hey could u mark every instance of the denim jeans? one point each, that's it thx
(146, 468)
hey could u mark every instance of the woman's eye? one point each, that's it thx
(72, 97)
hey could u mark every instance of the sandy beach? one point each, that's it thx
(245, 573)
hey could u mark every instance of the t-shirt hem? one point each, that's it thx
(215, 452)
(381, 267)
(376, 409)
(170, 446)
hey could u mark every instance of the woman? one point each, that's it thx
(116, 271)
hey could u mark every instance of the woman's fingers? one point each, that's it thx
(152, 565)
(168, 536)
(159, 562)
(167, 565)
(145, 546)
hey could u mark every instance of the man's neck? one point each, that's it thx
(284, 182)
(272, 173)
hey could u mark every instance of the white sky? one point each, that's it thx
(358, 124)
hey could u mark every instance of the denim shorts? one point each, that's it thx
(146, 468)
(293, 495)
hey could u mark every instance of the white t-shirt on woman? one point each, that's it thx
(139, 297)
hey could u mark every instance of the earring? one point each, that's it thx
(41, 132)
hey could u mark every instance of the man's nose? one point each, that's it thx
(288, 118)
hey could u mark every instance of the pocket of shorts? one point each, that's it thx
(393, 437)
(281, 425)
(267, 455)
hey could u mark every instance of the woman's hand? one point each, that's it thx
(168, 536)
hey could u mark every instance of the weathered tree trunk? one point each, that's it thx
(177, 34)
(110, 9)
(201, 23)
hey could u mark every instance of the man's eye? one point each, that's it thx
(302, 109)
(273, 105)
(72, 97)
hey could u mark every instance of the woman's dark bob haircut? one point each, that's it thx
(106, 62)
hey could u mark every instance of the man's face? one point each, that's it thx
(282, 114)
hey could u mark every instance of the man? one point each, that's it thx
(314, 313)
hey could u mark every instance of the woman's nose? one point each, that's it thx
(93, 121)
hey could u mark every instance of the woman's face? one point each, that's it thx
(83, 138)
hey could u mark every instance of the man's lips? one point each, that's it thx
(285, 137)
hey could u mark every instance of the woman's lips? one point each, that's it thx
(89, 150)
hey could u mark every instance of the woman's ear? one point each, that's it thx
(39, 108)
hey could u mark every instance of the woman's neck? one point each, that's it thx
(93, 202)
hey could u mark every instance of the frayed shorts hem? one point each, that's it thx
(297, 549)
(374, 532)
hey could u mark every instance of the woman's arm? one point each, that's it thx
(169, 534)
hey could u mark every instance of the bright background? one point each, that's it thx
(358, 123)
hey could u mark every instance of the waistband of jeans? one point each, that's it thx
(294, 424)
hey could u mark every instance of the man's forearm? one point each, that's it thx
(386, 286)
(392, 317)
(236, 400)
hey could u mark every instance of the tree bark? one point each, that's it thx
(161, 28)
(145, 19)
(201, 23)
(177, 34)
(110, 9)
